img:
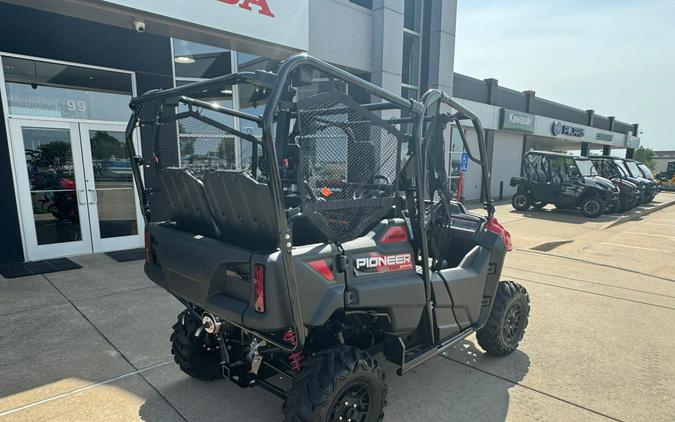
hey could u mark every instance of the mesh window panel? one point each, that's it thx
(201, 147)
(350, 164)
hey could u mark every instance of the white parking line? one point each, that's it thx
(653, 235)
(630, 246)
(81, 389)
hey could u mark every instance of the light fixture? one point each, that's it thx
(184, 59)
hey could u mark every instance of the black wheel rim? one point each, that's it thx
(521, 200)
(591, 207)
(512, 322)
(353, 404)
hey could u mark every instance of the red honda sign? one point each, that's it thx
(261, 6)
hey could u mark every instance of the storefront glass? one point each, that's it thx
(41, 89)
(51, 175)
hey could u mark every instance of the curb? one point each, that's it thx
(640, 214)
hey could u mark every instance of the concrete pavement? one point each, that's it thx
(93, 343)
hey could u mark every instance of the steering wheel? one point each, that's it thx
(382, 178)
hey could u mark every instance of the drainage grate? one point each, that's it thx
(23, 269)
(549, 246)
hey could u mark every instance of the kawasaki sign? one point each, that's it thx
(516, 121)
(284, 22)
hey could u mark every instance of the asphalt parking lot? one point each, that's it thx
(93, 343)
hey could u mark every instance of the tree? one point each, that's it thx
(104, 146)
(187, 147)
(646, 155)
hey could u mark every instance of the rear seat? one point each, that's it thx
(242, 209)
(189, 208)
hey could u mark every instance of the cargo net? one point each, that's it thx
(350, 162)
(201, 147)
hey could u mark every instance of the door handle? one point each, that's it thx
(94, 196)
(79, 197)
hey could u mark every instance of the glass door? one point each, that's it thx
(116, 222)
(51, 188)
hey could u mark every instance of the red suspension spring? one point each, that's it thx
(295, 359)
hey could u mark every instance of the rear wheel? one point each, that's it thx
(194, 350)
(338, 384)
(592, 206)
(508, 319)
(521, 201)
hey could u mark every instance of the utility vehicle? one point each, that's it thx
(666, 179)
(564, 180)
(631, 192)
(329, 242)
(649, 185)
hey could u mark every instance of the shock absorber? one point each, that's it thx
(295, 359)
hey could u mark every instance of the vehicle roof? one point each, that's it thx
(612, 157)
(557, 154)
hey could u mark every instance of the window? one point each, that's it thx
(412, 12)
(199, 61)
(194, 62)
(368, 4)
(412, 25)
(43, 89)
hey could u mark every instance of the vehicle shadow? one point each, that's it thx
(207, 401)
(457, 386)
(454, 386)
(570, 216)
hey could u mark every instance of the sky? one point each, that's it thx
(616, 57)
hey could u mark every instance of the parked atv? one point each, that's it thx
(647, 174)
(631, 193)
(650, 187)
(565, 181)
(312, 259)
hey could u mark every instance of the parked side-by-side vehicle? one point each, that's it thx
(328, 243)
(632, 190)
(565, 181)
(642, 173)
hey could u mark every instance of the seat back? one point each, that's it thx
(242, 209)
(188, 206)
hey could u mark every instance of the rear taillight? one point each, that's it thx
(322, 268)
(148, 256)
(259, 287)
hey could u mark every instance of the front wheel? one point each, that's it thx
(592, 206)
(508, 319)
(337, 384)
(521, 201)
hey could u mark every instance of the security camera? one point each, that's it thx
(140, 26)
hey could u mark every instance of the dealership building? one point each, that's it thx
(68, 69)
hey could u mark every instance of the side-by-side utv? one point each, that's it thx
(319, 239)
(563, 180)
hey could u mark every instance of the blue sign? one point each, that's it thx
(464, 162)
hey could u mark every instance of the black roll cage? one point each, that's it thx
(277, 110)
(432, 101)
